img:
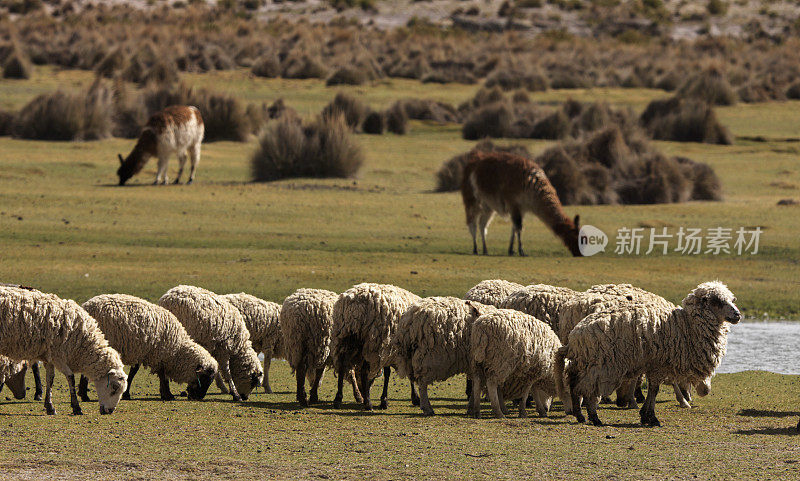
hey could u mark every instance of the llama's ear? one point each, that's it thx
(577, 220)
(120, 159)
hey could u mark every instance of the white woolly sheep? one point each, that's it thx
(219, 327)
(364, 321)
(262, 319)
(12, 374)
(306, 321)
(684, 344)
(512, 353)
(433, 341)
(144, 333)
(541, 301)
(66, 338)
(491, 291)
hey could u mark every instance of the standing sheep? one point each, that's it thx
(684, 344)
(67, 338)
(12, 374)
(364, 322)
(541, 301)
(491, 291)
(512, 353)
(433, 341)
(144, 333)
(306, 321)
(262, 319)
(219, 327)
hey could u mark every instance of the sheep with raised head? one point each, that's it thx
(306, 321)
(262, 319)
(12, 374)
(684, 344)
(365, 320)
(66, 338)
(491, 291)
(146, 334)
(433, 341)
(219, 327)
(512, 354)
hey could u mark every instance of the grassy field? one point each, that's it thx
(66, 227)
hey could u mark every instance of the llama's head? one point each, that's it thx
(713, 300)
(125, 170)
(571, 237)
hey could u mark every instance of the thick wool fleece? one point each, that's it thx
(262, 319)
(492, 291)
(306, 322)
(541, 301)
(367, 315)
(144, 333)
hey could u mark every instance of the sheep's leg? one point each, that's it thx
(83, 388)
(127, 394)
(494, 398)
(542, 401)
(221, 383)
(194, 153)
(225, 369)
(468, 390)
(591, 410)
(313, 397)
(637, 393)
(501, 397)
(265, 382)
(682, 395)
(73, 396)
(37, 380)
(387, 373)
(576, 400)
(474, 406)
(351, 376)
(366, 384)
(648, 411)
(300, 372)
(343, 371)
(523, 403)
(424, 401)
(50, 374)
(163, 386)
(414, 395)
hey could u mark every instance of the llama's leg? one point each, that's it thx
(161, 175)
(265, 383)
(73, 397)
(343, 371)
(194, 153)
(516, 220)
(474, 406)
(37, 380)
(83, 388)
(648, 411)
(301, 383)
(163, 386)
(181, 162)
(494, 398)
(483, 225)
(473, 231)
(134, 369)
(49, 376)
(313, 396)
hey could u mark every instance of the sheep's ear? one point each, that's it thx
(577, 221)
(199, 369)
(121, 161)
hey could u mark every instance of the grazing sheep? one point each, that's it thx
(218, 326)
(262, 320)
(66, 337)
(144, 333)
(491, 291)
(512, 353)
(433, 340)
(306, 321)
(541, 301)
(364, 322)
(12, 374)
(684, 344)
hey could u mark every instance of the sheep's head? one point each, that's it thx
(703, 387)
(247, 372)
(198, 387)
(16, 382)
(109, 389)
(713, 299)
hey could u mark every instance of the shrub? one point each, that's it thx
(425, 109)
(353, 110)
(267, 65)
(130, 111)
(397, 119)
(112, 63)
(554, 126)
(347, 76)
(710, 86)
(17, 65)
(304, 68)
(373, 124)
(322, 148)
(793, 92)
(512, 79)
(6, 122)
(493, 120)
(54, 116)
(717, 7)
(684, 120)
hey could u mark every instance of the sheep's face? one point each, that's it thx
(16, 383)
(109, 389)
(703, 387)
(247, 373)
(715, 298)
(205, 376)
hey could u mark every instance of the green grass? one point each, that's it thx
(66, 227)
(744, 430)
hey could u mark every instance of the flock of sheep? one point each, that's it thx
(513, 342)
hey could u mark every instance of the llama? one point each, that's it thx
(507, 184)
(177, 129)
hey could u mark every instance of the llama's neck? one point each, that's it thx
(545, 204)
(146, 147)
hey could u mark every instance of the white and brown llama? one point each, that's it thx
(179, 130)
(510, 185)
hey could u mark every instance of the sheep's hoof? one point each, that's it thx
(51, 410)
(166, 397)
(84, 398)
(37, 397)
(415, 400)
(384, 404)
(302, 401)
(595, 421)
(579, 417)
(313, 399)
(126, 396)
(76, 410)
(685, 405)
(428, 412)
(337, 402)
(268, 390)
(237, 399)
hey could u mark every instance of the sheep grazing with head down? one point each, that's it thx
(511, 354)
(433, 341)
(218, 326)
(684, 344)
(262, 319)
(12, 374)
(365, 320)
(67, 338)
(144, 333)
(491, 291)
(306, 322)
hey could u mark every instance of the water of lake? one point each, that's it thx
(766, 346)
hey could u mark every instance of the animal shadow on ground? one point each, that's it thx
(759, 413)
(784, 431)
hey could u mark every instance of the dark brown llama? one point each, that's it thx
(510, 185)
(177, 129)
